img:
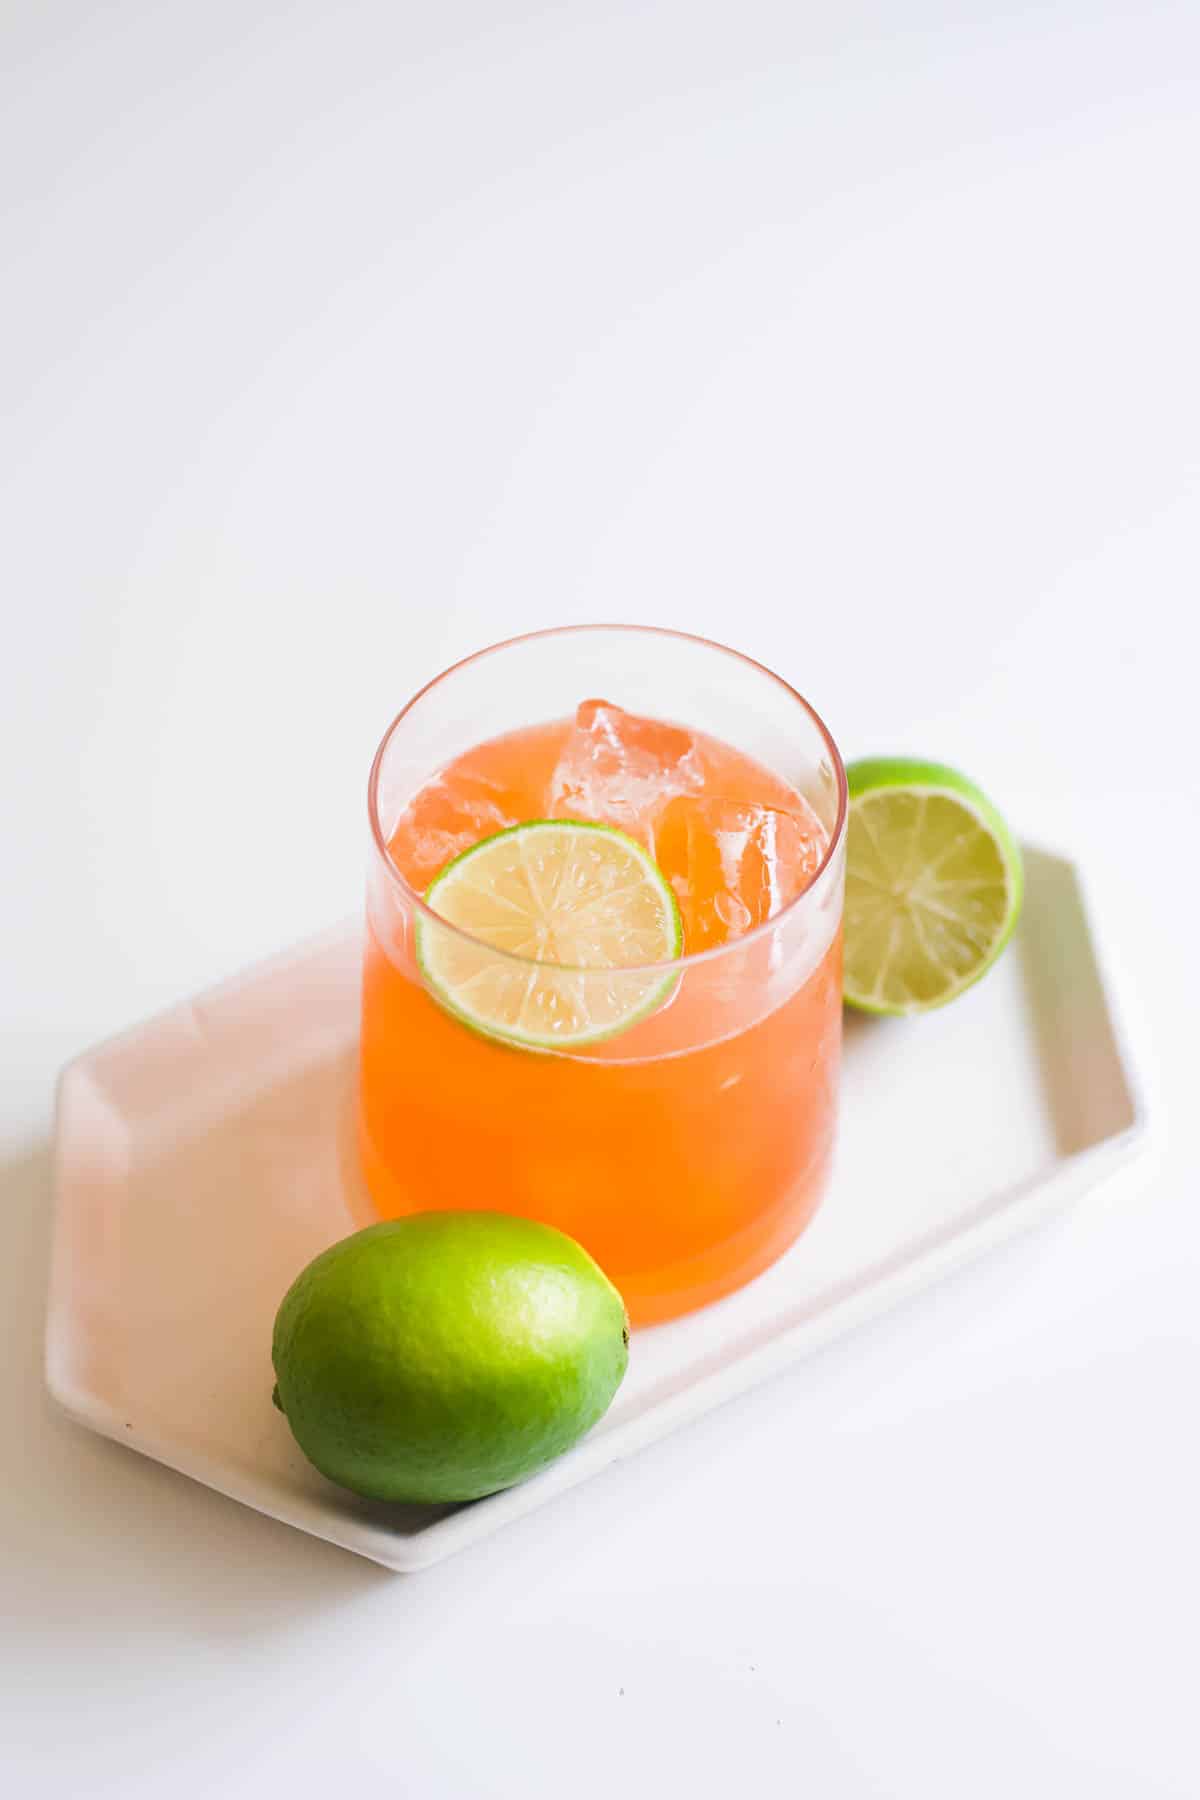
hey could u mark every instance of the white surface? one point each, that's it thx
(337, 340)
(208, 1128)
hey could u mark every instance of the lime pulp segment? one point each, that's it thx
(933, 886)
(559, 919)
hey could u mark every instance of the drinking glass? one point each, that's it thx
(690, 1150)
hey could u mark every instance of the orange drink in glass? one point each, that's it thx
(687, 1144)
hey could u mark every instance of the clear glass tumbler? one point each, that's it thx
(690, 1150)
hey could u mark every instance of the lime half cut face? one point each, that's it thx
(933, 885)
(561, 918)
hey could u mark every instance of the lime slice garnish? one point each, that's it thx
(933, 885)
(568, 906)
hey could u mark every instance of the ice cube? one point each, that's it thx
(734, 864)
(451, 812)
(620, 769)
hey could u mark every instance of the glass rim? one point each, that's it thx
(689, 959)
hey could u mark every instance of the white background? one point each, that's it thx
(340, 339)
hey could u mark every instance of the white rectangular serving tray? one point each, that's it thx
(205, 1157)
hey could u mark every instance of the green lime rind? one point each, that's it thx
(913, 778)
(426, 932)
(444, 1356)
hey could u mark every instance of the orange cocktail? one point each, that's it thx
(688, 1150)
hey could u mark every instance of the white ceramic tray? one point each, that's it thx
(204, 1157)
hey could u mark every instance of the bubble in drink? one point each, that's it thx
(622, 770)
(734, 864)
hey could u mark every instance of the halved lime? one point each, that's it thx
(933, 885)
(569, 906)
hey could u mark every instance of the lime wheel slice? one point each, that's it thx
(559, 920)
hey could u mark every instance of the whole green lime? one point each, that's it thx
(447, 1355)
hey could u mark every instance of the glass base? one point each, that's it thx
(652, 1296)
(672, 1292)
